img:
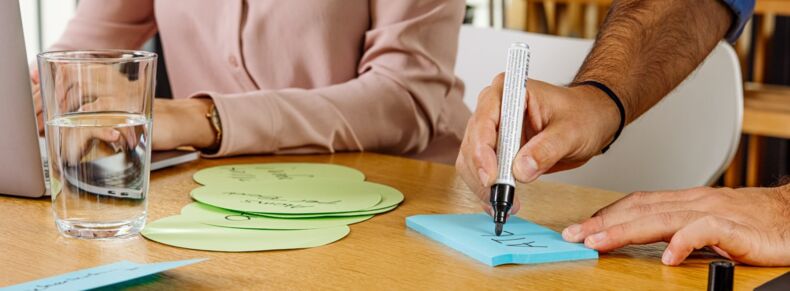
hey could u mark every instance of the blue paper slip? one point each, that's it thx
(522, 242)
(100, 276)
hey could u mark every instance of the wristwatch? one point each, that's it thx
(213, 118)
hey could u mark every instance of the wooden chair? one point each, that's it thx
(767, 108)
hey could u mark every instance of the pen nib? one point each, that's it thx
(498, 229)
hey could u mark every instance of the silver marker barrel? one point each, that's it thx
(510, 125)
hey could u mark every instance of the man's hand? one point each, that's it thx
(182, 122)
(748, 225)
(563, 129)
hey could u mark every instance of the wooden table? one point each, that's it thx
(378, 254)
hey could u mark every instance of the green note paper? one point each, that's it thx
(227, 218)
(254, 173)
(184, 232)
(390, 197)
(338, 214)
(292, 197)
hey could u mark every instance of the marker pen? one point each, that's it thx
(510, 122)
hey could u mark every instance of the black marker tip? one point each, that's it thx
(498, 229)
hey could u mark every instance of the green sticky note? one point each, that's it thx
(254, 173)
(317, 196)
(338, 214)
(184, 232)
(390, 198)
(227, 218)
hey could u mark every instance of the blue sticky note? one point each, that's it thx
(100, 276)
(521, 242)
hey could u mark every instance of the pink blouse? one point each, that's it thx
(303, 76)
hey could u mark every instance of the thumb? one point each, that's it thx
(541, 153)
(726, 235)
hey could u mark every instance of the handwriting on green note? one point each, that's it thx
(390, 198)
(227, 218)
(294, 197)
(252, 173)
(275, 200)
(244, 174)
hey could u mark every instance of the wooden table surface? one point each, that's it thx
(380, 253)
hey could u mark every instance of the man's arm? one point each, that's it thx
(746, 225)
(646, 48)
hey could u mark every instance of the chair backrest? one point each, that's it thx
(686, 140)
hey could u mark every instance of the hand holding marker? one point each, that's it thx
(510, 122)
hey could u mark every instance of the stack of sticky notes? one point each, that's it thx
(522, 242)
(256, 207)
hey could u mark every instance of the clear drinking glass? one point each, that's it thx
(97, 111)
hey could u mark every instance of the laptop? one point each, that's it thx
(23, 159)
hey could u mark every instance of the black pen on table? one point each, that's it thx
(511, 120)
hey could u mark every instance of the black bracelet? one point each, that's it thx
(617, 102)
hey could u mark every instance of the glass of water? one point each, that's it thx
(97, 111)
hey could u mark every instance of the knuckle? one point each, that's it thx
(665, 218)
(712, 200)
(619, 230)
(459, 162)
(723, 226)
(643, 209)
(483, 94)
(469, 125)
(710, 221)
(597, 223)
(602, 211)
(638, 196)
(724, 229)
(544, 151)
(685, 217)
(499, 78)
(485, 128)
(477, 159)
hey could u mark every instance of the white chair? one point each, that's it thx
(686, 140)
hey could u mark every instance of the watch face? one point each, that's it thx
(213, 116)
(215, 119)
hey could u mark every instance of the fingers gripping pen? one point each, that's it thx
(510, 122)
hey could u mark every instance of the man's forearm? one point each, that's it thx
(647, 47)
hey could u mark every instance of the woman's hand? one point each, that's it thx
(77, 143)
(748, 225)
(182, 122)
(76, 86)
(176, 123)
(37, 102)
(563, 129)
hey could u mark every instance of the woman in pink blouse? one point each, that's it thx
(297, 76)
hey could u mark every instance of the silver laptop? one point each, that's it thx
(23, 168)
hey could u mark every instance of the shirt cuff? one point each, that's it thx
(243, 131)
(742, 10)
